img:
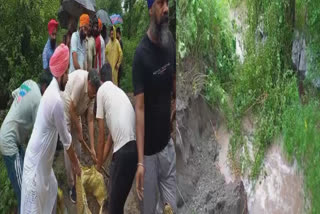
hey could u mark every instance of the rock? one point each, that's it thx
(299, 58)
(200, 182)
(209, 196)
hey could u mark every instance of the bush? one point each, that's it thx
(22, 41)
(302, 137)
(129, 47)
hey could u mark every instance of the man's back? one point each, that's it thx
(49, 121)
(77, 91)
(22, 114)
(114, 105)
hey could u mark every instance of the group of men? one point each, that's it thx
(139, 137)
(88, 49)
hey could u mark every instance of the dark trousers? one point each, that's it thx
(122, 172)
(14, 165)
(119, 75)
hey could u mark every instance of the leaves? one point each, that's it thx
(22, 41)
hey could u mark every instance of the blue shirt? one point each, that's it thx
(80, 49)
(46, 54)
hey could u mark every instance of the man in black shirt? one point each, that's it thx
(154, 69)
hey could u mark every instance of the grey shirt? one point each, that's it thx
(18, 124)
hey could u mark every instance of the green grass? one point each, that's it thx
(301, 133)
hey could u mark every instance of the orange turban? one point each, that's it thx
(84, 20)
(100, 24)
(59, 61)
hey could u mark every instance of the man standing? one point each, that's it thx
(50, 45)
(114, 107)
(17, 127)
(78, 58)
(78, 97)
(114, 54)
(39, 184)
(121, 45)
(91, 52)
(154, 83)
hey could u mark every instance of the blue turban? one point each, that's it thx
(150, 3)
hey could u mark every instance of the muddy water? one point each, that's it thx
(279, 189)
(223, 138)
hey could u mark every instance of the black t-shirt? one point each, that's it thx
(152, 74)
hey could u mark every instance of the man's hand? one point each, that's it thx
(117, 67)
(93, 155)
(77, 169)
(98, 167)
(139, 181)
(172, 118)
(80, 135)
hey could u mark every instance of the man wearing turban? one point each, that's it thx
(50, 45)
(153, 74)
(39, 184)
(78, 55)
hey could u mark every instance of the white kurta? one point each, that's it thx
(39, 184)
(103, 48)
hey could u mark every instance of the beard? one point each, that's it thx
(160, 30)
(82, 36)
(53, 43)
(61, 85)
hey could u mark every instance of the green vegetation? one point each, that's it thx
(136, 21)
(22, 41)
(265, 85)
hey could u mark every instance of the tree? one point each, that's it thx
(111, 6)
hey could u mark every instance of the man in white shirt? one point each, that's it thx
(78, 99)
(39, 184)
(115, 108)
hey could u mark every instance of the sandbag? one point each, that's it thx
(90, 182)
(60, 202)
